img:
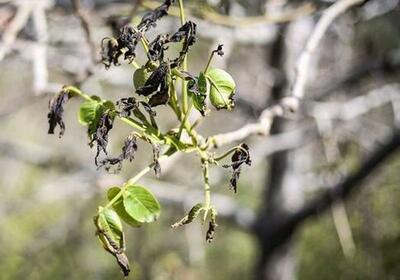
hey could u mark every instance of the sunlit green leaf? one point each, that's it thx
(120, 209)
(87, 111)
(222, 89)
(109, 223)
(141, 204)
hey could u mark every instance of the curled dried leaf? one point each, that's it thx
(193, 213)
(157, 86)
(219, 50)
(56, 111)
(157, 48)
(153, 83)
(149, 19)
(212, 225)
(113, 48)
(100, 136)
(110, 52)
(187, 33)
(156, 156)
(128, 153)
(239, 157)
(126, 105)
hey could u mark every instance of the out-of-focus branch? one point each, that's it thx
(77, 181)
(390, 64)
(291, 103)
(81, 14)
(23, 12)
(282, 229)
(303, 65)
(330, 111)
(262, 127)
(39, 56)
(216, 18)
(350, 183)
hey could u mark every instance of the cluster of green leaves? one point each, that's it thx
(155, 84)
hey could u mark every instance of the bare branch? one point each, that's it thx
(83, 18)
(24, 10)
(216, 18)
(356, 106)
(349, 184)
(291, 103)
(303, 66)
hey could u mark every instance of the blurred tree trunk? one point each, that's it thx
(276, 260)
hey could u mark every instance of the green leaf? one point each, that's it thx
(193, 213)
(91, 111)
(87, 111)
(108, 105)
(140, 77)
(109, 223)
(141, 204)
(222, 89)
(120, 209)
(198, 92)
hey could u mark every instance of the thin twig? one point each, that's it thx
(216, 18)
(82, 15)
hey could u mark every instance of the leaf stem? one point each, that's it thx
(184, 66)
(77, 91)
(207, 188)
(209, 62)
(153, 133)
(134, 179)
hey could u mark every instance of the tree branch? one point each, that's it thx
(83, 18)
(290, 103)
(349, 184)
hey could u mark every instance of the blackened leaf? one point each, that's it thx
(126, 105)
(128, 153)
(219, 50)
(100, 136)
(187, 32)
(161, 97)
(157, 48)
(130, 147)
(150, 18)
(222, 89)
(56, 111)
(156, 156)
(153, 83)
(128, 38)
(110, 52)
(123, 263)
(211, 226)
(113, 48)
(239, 157)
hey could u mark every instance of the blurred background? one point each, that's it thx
(283, 223)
